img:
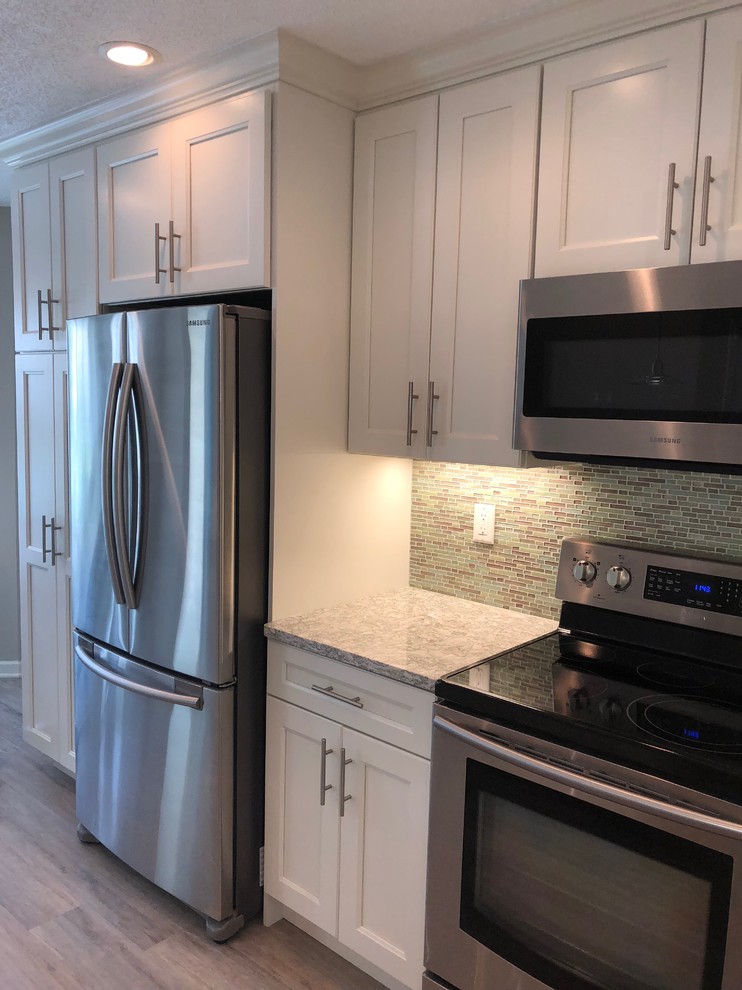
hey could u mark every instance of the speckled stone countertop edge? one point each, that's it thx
(394, 673)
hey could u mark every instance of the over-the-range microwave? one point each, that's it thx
(634, 366)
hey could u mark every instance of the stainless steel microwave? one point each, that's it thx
(634, 366)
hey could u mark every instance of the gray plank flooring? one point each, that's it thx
(72, 916)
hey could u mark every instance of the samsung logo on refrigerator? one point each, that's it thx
(664, 440)
(199, 323)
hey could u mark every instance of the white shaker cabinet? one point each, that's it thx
(41, 412)
(184, 206)
(346, 808)
(53, 215)
(616, 171)
(392, 270)
(717, 227)
(433, 341)
(487, 145)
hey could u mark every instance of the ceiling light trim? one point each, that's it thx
(114, 51)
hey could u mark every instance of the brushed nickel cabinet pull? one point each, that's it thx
(158, 271)
(54, 552)
(707, 180)
(432, 396)
(323, 785)
(173, 236)
(410, 401)
(50, 313)
(343, 796)
(672, 185)
(44, 549)
(38, 313)
(330, 692)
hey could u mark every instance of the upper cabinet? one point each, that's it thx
(717, 233)
(433, 341)
(620, 182)
(617, 161)
(54, 248)
(183, 207)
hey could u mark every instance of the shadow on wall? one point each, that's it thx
(10, 645)
(536, 508)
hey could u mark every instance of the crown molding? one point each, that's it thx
(519, 41)
(282, 57)
(308, 67)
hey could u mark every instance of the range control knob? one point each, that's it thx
(584, 571)
(619, 578)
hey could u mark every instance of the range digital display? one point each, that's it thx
(693, 590)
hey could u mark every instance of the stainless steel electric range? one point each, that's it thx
(586, 796)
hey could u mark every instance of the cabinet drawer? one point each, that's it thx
(386, 709)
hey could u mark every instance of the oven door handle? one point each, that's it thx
(590, 785)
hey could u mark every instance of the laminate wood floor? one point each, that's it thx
(73, 916)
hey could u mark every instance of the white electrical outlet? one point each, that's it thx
(484, 523)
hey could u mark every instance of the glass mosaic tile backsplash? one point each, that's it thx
(536, 508)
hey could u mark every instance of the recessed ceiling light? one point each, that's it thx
(128, 53)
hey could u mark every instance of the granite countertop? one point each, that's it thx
(413, 636)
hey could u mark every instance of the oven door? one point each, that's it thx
(549, 869)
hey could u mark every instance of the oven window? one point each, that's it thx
(583, 898)
(684, 366)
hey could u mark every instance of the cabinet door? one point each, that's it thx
(616, 118)
(73, 239)
(302, 835)
(719, 184)
(483, 228)
(62, 566)
(383, 850)
(221, 196)
(393, 216)
(32, 268)
(134, 196)
(38, 582)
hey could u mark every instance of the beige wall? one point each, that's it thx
(341, 521)
(10, 645)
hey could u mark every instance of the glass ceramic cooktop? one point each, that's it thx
(673, 716)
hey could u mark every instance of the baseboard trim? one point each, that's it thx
(10, 668)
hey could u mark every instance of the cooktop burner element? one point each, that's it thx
(699, 723)
(646, 671)
(675, 674)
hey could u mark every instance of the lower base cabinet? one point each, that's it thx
(346, 833)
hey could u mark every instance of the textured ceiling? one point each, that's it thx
(48, 50)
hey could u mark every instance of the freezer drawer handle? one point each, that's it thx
(169, 697)
(597, 788)
(332, 693)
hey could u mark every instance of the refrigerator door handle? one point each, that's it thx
(121, 487)
(157, 694)
(107, 486)
(140, 482)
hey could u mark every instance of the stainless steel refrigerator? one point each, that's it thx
(169, 463)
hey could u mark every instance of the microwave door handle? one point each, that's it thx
(157, 694)
(107, 481)
(590, 785)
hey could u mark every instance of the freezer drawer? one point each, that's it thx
(155, 758)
